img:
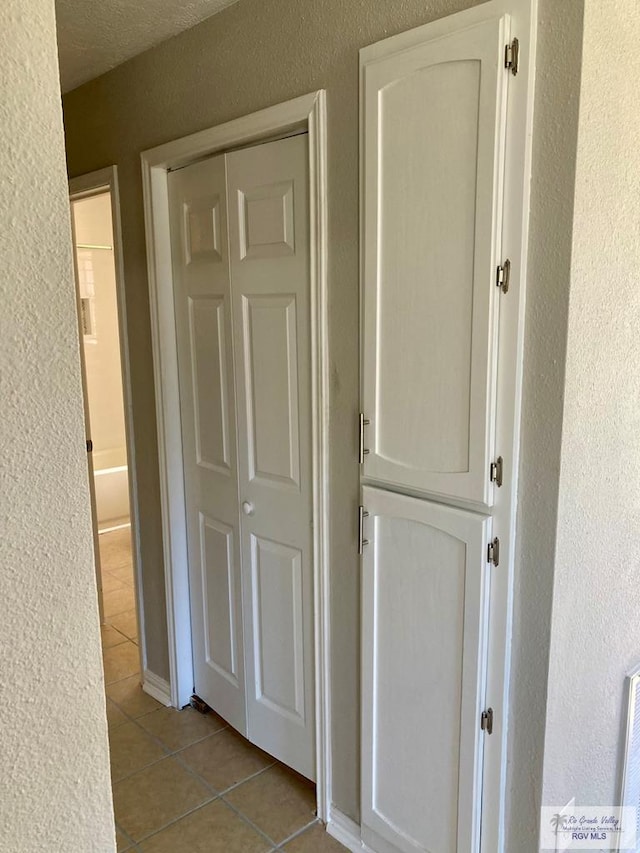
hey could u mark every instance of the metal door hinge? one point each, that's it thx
(496, 471)
(89, 446)
(362, 451)
(511, 56)
(493, 552)
(486, 721)
(503, 275)
(362, 514)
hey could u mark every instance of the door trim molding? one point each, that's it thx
(306, 113)
(85, 186)
(157, 687)
(346, 831)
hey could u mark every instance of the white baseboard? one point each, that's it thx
(345, 830)
(156, 687)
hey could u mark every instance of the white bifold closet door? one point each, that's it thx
(240, 248)
(202, 297)
(432, 140)
(424, 623)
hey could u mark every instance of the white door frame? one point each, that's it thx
(306, 113)
(85, 186)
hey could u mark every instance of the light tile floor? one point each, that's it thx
(183, 781)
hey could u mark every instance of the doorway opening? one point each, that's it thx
(104, 357)
(101, 347)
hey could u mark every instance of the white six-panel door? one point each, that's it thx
(202, 294)
(240, 247)
(269, 249)
(433, 139)
(424, 622)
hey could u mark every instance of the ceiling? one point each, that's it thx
(94, 37)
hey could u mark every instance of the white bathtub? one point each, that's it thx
(112, 496)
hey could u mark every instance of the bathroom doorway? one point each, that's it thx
(102, 332)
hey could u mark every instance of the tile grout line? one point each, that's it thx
(177, 755)
(249, 822)
(118, 680)
(177, 819)
(176, 752)
(225, 791)
(231, 788)
(299, 832)
(139, 770)
(132, 843)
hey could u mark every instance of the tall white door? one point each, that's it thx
(270, 274)
(205, 359)
(433, 139)
(424, 623)
(242, 306)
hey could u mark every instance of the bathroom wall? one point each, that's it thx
(97, 282)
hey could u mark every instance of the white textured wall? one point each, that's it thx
(595, 636)
(550, 239)
(54, 771)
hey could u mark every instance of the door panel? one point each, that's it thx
(219, 576)
(197, 196)
(271, 387)
(424, 622)
(266, 223)
(433, 136)
(210, 382)
(270, 271)
(276, 580)
(203, 236)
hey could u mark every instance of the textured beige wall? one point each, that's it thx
(595, 636)
(54, 767)
(550, 236)
(250, 56)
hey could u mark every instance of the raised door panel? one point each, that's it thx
(271, 388)
(202, 298)
(433, 130)
(268, 205)
(278, 627)
(210, 376)
(202, 230)
(219, 597)
(424, 647)
(266, 222)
